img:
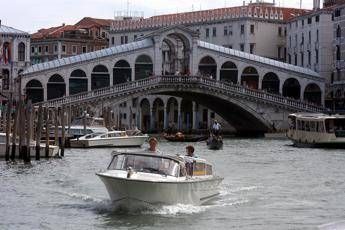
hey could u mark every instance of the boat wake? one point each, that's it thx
(228, 197)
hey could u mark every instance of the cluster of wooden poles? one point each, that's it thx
(27, 125)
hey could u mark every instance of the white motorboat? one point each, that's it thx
(53, 149)
(110, 139)
(317, 130)
(136, 180)
(92, 125)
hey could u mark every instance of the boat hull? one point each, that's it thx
(128, 193)
(109, 142)
(53, 150)
(214, 144)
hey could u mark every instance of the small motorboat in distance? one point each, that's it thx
(214, 142)
(180, 137)
(130, 138)
(317, 130)
(136, 180)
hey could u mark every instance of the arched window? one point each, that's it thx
(21, 52)
(338, 32)
(338, 53)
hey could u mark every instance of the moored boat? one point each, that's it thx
(135, 180)
(110, 139)
(317, 130)
(53, 149)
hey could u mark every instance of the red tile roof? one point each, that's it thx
(85, 23)
(265, 11)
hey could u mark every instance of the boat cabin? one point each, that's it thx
(174, 166)
(318, 123)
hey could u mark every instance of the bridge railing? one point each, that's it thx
(158, 80)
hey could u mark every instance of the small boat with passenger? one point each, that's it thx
(138, 179)
(129, 138)
(214, 142)
(317, 130)
(180, 137)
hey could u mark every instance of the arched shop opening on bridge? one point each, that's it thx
(56, 87)
(145, 115)
(158, 115)
(270, 83)
(122, 72)
(186, 114)
(250, 78)
(312, 93)
(100, 77)
(208, 67)
(143, 67)
(229, 72)
(34, 91)
(172, 112)
(292, 88)
(78, 82)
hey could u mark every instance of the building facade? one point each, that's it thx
(310, 42)
(336, 96)
(87, 35)
(257, 28)
(14, 57)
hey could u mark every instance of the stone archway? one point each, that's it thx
(143, 67)
(100, 77)
(122, 72)
(229, 72)
(145, 115)
(250, 78)
(270, 83)
(34, 91)
(208, 67)
(77, 82)
(158, 114)
(56, 87)
(313, 94)
(292, 88)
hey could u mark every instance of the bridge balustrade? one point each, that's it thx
(156, 81)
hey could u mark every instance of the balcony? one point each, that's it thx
(308, 46)
(316, 67)
(301, 46)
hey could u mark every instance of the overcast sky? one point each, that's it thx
(30, 15)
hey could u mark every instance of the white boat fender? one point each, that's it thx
(130, 172)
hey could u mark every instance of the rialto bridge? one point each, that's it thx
(252, 93)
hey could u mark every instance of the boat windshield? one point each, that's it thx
(143, 163)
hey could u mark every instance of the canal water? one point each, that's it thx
(268, 185)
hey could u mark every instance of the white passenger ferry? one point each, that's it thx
(317, 130)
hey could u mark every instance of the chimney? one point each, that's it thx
(244, 3)
(316, 5)
(274, 2)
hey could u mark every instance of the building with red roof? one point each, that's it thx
(87, 35)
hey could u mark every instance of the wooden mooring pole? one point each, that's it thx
(39, 132)
(8, 127)
(62, 151)
(46, 118)
(28, 116)
(14, 133)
